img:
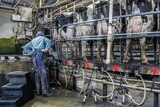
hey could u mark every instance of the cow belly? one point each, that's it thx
(87, 30)
(69, 34)
(136, 24)
(102, 28)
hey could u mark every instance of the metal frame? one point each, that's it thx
(119, 36)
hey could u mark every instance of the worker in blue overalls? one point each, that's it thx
(37, 47)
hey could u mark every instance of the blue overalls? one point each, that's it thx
(34, 48)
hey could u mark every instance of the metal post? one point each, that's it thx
(74, 83)
(105, 91)
(80, 48)
(57, 72)
(156, 100)
(40, 3)
(158, 27)
(109, 38)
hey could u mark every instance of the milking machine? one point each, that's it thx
(113, 75)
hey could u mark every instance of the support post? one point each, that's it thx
(57, 72)
(80, 48)
(74, 83)
(105, 91)
(156, 100)
(109, 38)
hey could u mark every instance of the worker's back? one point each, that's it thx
(38, 42)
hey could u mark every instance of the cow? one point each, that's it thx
(102, 11)
(62, 32)
(136, 24)
(84, 13)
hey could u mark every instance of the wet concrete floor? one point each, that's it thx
(67, 98)
(64, 98)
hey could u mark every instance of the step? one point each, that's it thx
(18, 77)
(18, 90)
(11, 89)
(10, 101)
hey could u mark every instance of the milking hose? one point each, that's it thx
(125, 79)
(65, 74)
(144, 95)
(83, 81)
(113, 87)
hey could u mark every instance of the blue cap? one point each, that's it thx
(40, 33)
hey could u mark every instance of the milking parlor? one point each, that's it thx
(79, 53)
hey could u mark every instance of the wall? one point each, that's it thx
(6, 25)
(7, 35)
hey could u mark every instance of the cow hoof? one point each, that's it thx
(112, 60)
(98, 59)
(85, 59)
(145, 62)
(125, 61)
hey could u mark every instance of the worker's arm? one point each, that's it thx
(48, 43)
(28, 48)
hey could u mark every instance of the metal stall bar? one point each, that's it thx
(125, 85)
(115, 17)
(121, 37)
(121, 34)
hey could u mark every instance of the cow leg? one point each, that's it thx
(84, 43)
(143, 55)
(112, 55)
(99, 30)
(128, 42)
(71, 48)
(99, 50)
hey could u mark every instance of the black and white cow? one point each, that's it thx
(102, 11)
(85, 13)
(139, 23)
(62, 32)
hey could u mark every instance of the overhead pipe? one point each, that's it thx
(54, 3)
(11, 2)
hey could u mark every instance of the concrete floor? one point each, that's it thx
(64, 98)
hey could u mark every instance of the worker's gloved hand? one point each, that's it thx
(43, 50)
(24, 53)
